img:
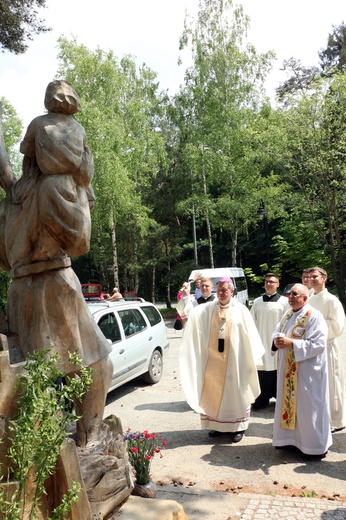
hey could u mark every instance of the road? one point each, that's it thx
(211, 477)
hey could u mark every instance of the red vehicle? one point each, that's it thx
(92, 292)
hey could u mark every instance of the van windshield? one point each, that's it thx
(239, 283)
(214, 280)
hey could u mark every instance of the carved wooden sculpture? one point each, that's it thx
(45, 220)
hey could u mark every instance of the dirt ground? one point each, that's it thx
(194, 465)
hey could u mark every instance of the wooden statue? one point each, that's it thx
(45, 220)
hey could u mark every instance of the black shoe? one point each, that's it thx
(334, 430)
(258, 406)
(237, 437)
(214, 433)
(306, 456)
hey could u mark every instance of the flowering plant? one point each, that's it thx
(142, 447)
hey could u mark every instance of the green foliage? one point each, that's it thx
(218, 108)
(308, 494)
(39, 430)
(120, 112)
(12, 130)
(314, 163)
(255, 278)
(205, 159)
(333, 57)
(19, 21)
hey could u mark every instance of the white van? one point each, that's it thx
(235, 273)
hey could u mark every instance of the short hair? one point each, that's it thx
(319, 270)
(226, 279)
(274, 275)
(307, 270)
(207, 279)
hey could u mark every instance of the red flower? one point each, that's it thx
(134, 449)
(293, 367)
(285, 416)
(147, 457)
(287, 375)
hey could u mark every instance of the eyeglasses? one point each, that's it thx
(295, 294)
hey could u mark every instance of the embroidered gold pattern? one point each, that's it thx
(289, 398)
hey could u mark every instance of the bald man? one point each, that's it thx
(302, 408)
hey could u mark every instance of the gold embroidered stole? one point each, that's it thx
(289, 397)
(216, 367)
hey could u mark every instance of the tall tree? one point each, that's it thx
(19, 22)
(302, 78)
(12, 128)
(334, 55)
(314, 161)
(222, 93)
(119, 110)
(10, 133)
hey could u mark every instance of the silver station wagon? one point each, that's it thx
(137, 333)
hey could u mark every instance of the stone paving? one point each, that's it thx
(276, 508)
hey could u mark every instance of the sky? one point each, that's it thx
(149, 30)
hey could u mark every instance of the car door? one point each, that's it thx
(112, 330)
(137, 344)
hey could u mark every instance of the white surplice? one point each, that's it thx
(333, 312)
(266, 316)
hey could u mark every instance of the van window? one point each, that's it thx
(240, 283)
(235, 273)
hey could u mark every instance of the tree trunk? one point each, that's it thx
(101, 263)
(210, 240)
(153, 281)
(115, 252)
(234, 244)
(168, 286)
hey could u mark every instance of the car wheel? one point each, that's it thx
(155, 368)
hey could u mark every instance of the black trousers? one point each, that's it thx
(267, 381)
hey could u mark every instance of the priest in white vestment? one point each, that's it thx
(302, 406)
(219, 352)
(267, 310)
(333, 312)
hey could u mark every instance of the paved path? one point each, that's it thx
(264, 508)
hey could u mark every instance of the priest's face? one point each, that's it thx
(224, 292)
(306, 280)
(206, 288)
(298, 297)
(271, 285)
(318, 281)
